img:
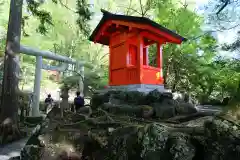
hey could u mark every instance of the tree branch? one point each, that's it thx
(148, 7)
(141, 6)
(223, 6)
(130, 9)
(65, 5)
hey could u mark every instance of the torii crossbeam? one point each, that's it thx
(52, 56)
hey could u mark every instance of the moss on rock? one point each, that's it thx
(124, 132)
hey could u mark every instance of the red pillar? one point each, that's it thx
(161, 69)
(145, 56)
(140, 57)
(159, 59)
(110, 67)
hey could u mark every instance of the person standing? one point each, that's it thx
(48, 101)
(78, 101)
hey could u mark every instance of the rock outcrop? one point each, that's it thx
(124, 126)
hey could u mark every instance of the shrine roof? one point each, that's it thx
(107, 16)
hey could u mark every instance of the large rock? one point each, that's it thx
(113, 136)
(98, 99)
(153, 141)
(159, 143)
(179, 147)
(124, 144)
(128, 97)
(155, 96)
(125, 109)
(184, 108)
(163, 103)
(135, 97)
(164, 110)
(32, 152)
(222, 139)
(127, 130)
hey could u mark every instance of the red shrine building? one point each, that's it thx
(129, 39)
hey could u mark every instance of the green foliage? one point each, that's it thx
(64, 37)
(92, 81)
(2, 50)
(53, 28)
(223, 16)
(193, 67)
(84, 15)
(177, 58)
(43, 16)
(3, 22)
(142, 8)
(2, 46)
(46, 19)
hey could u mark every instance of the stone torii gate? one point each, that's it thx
(39, 66)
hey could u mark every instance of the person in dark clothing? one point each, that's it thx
(78, 101)
(48, 101)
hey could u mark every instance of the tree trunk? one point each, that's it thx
(9, 101)
(166, 73)
(25, 78)
(175, 81)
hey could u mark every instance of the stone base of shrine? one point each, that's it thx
(138, 87)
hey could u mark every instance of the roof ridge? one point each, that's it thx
(109, 13)
(105, 11)
(135, 19)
